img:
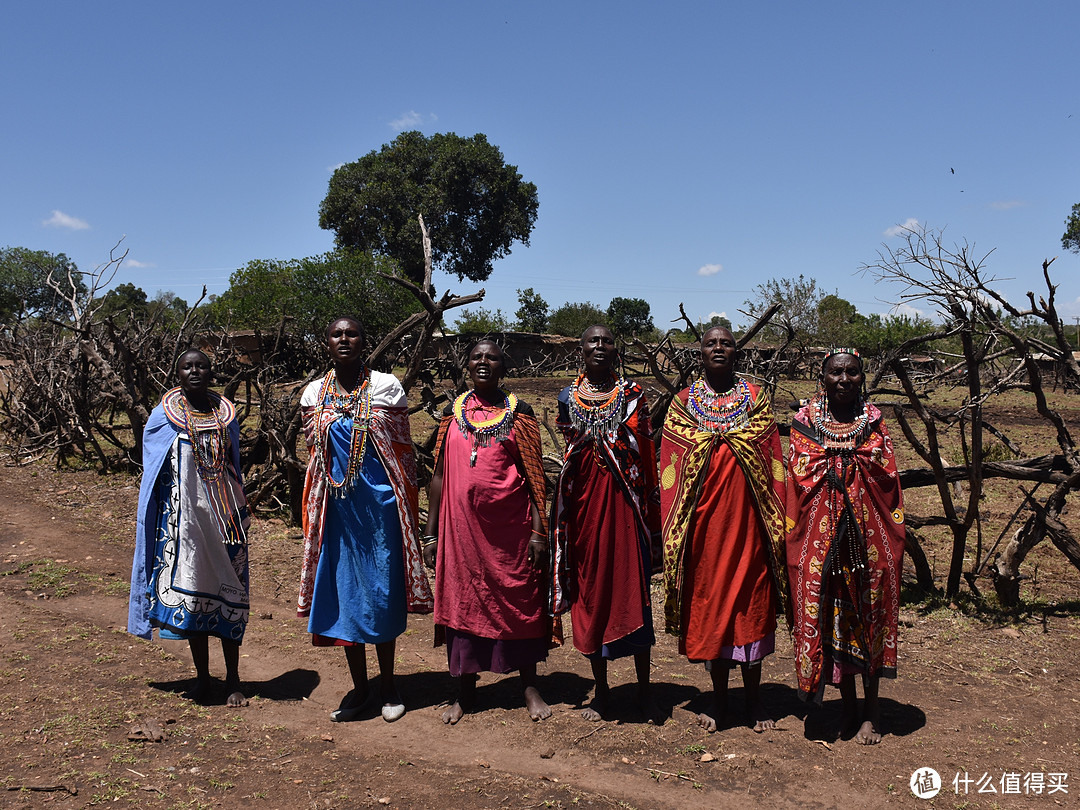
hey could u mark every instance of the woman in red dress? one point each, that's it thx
(845, 550)
(722, 497)
(604, 524)
(486, 537)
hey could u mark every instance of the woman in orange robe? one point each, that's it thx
(721, 494)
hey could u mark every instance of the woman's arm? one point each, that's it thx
(429, 542)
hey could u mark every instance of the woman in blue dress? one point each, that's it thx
(362, 570)
(189, 577)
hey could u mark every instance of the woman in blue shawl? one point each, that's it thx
(189, 577)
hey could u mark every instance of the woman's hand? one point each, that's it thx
(429, 545)
(538, 552)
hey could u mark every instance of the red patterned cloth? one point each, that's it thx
(605, 526)
(722, 500)
(845, 554)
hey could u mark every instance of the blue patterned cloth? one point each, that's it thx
(359, 593)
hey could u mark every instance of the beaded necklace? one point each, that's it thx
(837, 435)
(356, 404)
(594, 411)
(484, 431)
(207, 430)
(720, 412)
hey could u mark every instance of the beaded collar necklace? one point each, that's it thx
(484, 431)
(207, 430)
(593, 410)
(837, 435)
(720, 412)
(355, 404)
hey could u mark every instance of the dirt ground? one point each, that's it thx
(979, 693)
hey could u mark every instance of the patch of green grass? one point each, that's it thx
(51, 578)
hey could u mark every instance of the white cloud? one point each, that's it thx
(1005, 205)
(412, 120)
(908, 311)
(717, 315)
(334, 168)
(61, 220)
(709, 269)
(911, 224)
(407, 121)
(137, 263)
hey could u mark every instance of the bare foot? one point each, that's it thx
(236, 697)
(868, 734)
(595, 711)
(538, 709)
(707, 722)
(201, 691)
(760, 720)
(453, 714)
(654, 715)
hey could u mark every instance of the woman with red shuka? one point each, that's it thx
(846, 548)
(604, 522)
(722, 499)
(486, 537)
(362, 571)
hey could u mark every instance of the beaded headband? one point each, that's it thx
(841, 350)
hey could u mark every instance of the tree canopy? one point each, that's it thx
(481, 320)
(24, 283)
(571, 319)
(799, 297)
(532, 314)
(629, 317)
(313, 290)
(475, 206)
(1070, 240)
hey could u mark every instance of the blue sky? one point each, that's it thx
(683, 152)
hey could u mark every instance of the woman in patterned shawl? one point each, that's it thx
(362, 570)
(604, 523)
(486, 536)
(846, 548)
(722, 496)
(189, 577)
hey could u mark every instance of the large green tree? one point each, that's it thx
(532, 313)
(798, 298)
(124, 303)
(313, 290)
(835, 319)
(474, 204)
(629, 317)
(572, 319)
(1070, 240)
(24, 283)
(481, 320)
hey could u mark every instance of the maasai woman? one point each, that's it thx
(604, 520)
(362, 570)
(722, 496)
(189, 577)
(846, 548)
(486, 536)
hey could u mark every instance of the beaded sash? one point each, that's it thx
(594, 412)
(484, 431)
(207, 431)
(334, 404)
(837, 435)
(720, 412)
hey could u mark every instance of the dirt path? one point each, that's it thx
(971, 697)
